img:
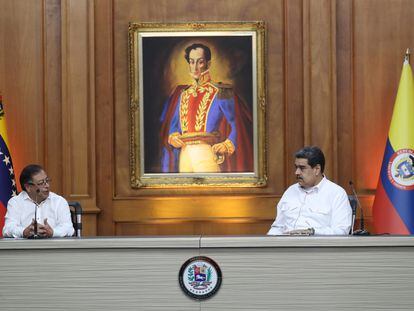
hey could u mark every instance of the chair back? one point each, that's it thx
(354, 204)
(76, 215)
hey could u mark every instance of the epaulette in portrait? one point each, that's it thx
(225, 90)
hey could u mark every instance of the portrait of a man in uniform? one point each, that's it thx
(205, 124)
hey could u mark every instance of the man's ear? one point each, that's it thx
(208, 64)
(27, 186)
(318, 169)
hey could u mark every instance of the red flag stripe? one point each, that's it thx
(386, 218)
(2, 214)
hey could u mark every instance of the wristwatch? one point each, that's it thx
(311, 231)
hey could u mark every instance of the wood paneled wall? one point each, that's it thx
(332, 72)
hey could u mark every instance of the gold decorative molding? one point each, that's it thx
(141, 179)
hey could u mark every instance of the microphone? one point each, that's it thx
(35, 235)
(361, 230)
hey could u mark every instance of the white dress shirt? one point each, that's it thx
(21, 211)
(324, 207)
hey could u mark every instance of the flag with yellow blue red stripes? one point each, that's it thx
(393, 209)
(7, 179)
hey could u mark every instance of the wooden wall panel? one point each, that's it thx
(43, 126)
(200, 203)
(104, 98)
(381, 35)
(53, 91)
(142, 11)
(372, 39)
(332, 72)
(294, 84)
(320, 105)
(78, 103)
(345, 128)
(21, 79)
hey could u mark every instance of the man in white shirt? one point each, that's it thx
(52, 211)
(314, 205)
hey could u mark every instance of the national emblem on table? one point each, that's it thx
(401, 169)
(200, 277)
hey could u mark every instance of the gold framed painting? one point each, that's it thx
(197, 104)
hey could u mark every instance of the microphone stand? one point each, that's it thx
(354, 207)
(35, 235)
(361, 230)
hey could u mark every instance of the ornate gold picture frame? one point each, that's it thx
(197, 104)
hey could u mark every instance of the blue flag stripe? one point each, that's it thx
(402, 200)
(6, 185)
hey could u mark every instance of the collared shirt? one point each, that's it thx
(21, 211)
(324, 207)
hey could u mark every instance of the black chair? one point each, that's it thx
(354, 204)
(76, 214)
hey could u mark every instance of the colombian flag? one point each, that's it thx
(393, 209)
(7, 181)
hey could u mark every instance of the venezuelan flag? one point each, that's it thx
(7, 180)
(393, 209)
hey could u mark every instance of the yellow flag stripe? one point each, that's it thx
(3, 131)
(401, 133)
